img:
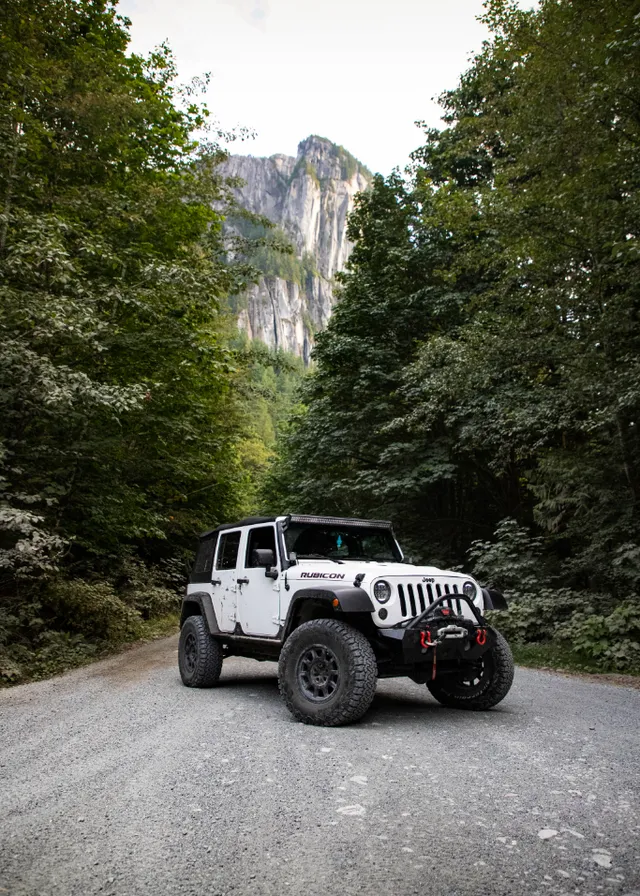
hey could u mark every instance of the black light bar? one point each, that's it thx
(336, 521)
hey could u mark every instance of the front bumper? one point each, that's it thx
(439, 631)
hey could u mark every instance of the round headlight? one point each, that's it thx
(382, 592)
(469, 590)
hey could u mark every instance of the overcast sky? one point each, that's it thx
(359, 72)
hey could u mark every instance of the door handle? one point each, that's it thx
(216, 581)
(242, 581)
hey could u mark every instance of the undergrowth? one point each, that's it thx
(58, 623)
(60, 652)
(583, 629)
(559, 657)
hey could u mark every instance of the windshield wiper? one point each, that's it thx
(318, 557)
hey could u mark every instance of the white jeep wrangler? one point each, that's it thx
(335, 603)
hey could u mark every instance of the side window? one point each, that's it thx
(201, 571)
(228, 551)
(262, 537)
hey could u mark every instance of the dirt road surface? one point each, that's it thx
(116, 779)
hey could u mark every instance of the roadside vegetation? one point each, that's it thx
(126, 399)
(479, 381)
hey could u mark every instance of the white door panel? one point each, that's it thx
(223, 579)
(258, 595)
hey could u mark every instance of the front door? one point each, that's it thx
(224, 586)
(258, 595)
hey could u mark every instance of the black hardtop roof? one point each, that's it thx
(248, 521)
(300, 518)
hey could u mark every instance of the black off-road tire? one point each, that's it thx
(199, 655)
(493, 685)
(331, 646)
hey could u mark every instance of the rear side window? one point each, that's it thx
(201, 571)
(228, 551)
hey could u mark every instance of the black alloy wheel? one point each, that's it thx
(472, 681)
(318, 673)
(190, 653)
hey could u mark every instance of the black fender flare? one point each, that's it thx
(350, 600)
(201, 600)
(494, 599)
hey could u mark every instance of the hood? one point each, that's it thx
(347, 570)
(413, 588)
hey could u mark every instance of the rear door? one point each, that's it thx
(224, 579)
(258, 595)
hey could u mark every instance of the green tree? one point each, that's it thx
(121, 429)
(482, 363)
(550, 356)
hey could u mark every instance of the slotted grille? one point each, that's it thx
(415, 597)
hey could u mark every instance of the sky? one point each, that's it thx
(359, 72)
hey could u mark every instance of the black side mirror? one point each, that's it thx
(264, 557)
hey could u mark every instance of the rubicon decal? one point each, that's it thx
(322, 575)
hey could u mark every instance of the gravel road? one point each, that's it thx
(117, 779)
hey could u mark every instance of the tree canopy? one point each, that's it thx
(482, 368)
(122, 428)
(479, 381)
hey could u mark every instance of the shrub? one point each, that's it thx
(539, 615)
(59, 651)
(594, 626)
(92, 609)
(151, 592)
(513, 561)
(612, 640)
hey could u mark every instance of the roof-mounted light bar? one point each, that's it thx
(336, 521)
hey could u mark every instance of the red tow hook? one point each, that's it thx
(425, 639)
(481, 636)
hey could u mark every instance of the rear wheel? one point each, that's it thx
(482, 686)
(327, 673)
(199, 655)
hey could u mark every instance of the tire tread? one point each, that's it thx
(363, 672)
(209, 664)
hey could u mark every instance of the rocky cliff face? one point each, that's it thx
(308, 198)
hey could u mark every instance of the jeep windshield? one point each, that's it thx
(339, 543)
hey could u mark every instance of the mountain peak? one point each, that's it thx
(308, 199)
(321, 149)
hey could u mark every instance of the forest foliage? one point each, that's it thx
(479, 381)
(123, 389)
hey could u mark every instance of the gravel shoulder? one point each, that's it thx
(114, 778)
(615, 678)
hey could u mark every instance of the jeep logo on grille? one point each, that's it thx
(428, 580)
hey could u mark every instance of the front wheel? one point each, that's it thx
(327, 673)
(483, 686)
